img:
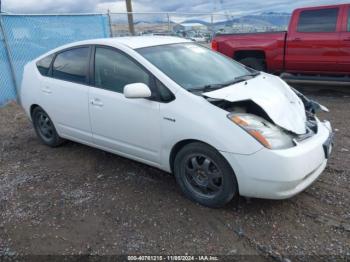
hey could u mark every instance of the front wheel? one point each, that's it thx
(45, 128)
(204, 175)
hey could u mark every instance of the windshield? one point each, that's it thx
(195, 67)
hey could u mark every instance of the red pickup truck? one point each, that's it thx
(316, 45)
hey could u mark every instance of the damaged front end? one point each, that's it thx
(311, 108)
(256, 122)
(279, 120)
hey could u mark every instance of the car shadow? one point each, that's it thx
(144, 176)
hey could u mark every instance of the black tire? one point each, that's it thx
(45, 129)
(212, 188)
(255, 63)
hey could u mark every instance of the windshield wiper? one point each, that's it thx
(242, 78)
(212, 87)
(207, 88)
(248, 76)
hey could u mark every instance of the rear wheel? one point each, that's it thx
(45, 128)
(255, 63)
(204, 175)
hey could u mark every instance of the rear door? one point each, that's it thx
(344, 50)
(313, 41)
(65, 93)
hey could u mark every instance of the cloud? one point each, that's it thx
(235, 7)
(120, 6)
(44, 6)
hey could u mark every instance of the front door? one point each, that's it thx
(130, 127)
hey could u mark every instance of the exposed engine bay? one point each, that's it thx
(269, 109)
(249, 107)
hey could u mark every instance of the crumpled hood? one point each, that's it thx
(273, 95)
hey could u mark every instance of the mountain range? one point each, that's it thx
(263, 19)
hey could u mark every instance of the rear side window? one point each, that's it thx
(43, 65)
(72, 65)
(323, 20)
(114, 70)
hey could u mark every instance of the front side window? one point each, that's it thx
(349, 20)
(43, 65)
(72, 65)
(165, 94)
(114, 70)
(323, 20)
(192, 66)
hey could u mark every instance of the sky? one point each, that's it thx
(235, 7)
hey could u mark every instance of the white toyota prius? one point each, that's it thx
(221, 128)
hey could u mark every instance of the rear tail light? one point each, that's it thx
(214, 45)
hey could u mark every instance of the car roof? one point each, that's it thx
(134, 42)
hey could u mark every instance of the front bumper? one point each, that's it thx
(280, 174)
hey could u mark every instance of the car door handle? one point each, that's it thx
(297, 39)
(46, 90)
(96, 102)
(346, 39)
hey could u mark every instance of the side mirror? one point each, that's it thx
(137, 90)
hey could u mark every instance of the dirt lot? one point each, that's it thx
(79, 200)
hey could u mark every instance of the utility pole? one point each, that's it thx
(109, 23)
(130, 17)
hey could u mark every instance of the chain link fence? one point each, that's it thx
(25, 37)
(7, 86)
(199, 27)
(196, 26)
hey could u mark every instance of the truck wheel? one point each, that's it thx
(255, 63)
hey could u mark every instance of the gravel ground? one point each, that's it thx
(78, 200)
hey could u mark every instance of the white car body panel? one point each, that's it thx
(71, 118)
(285, 172)
(284, 107)
(147, 131)
(135, 133)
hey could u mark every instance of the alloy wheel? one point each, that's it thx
(203, 175)
(45, 126)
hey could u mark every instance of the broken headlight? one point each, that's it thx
(269, 135)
